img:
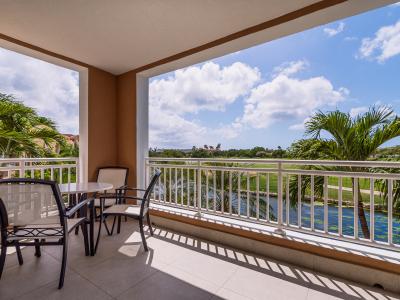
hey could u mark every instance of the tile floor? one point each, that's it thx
(177, 266)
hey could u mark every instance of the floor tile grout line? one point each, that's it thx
(40, 286)
(96, 285)
(140, 281)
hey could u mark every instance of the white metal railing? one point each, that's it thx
(62, 170)
(325, 198)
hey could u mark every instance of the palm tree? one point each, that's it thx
(23, 132)
(349, 138)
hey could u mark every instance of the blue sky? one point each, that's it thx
(261, 96)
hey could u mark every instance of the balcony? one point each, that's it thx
(216, 238)
(234, 229)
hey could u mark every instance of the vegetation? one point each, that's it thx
(354, 139)
(211, 152)
(23, 133)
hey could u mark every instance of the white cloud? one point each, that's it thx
(350, 38)
(300, 126)
(288, 98)
(290, 68)
(53, 91)
(384, 45)
(334, 31)
(284, 97)
(355, 111)
(199, 88)
(208, 87)
(172, 130)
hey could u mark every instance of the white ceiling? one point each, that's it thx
(121, 35)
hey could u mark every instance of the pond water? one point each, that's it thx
(381, 219)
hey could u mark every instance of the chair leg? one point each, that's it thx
(149, 224)
(64, 262)
(2, 257)
(113, 225)
(85, 237)
(102, 220)
(142, 234)
(37, 248)
(19, 253)
(119, 225)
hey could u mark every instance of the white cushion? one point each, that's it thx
(107, 202)
(115, 176)
(126, 209)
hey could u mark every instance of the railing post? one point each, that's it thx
(146, 171)
(77, 171)
(279, 230)
(22, 168)
(198, 202)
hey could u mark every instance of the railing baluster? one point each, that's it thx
(207, 204)
(326, 221)
(165, 185)
(267, 191)
(214, 190)
(340, 213)
(258, 196)
(195, 200)
(299, 200)
(280, 199)
(287, 200)
(390, 211)
(199, 188)
(239, 197)
(188, 187)
(355, 195)
(222, 192)
(170, 184)
(312, 214)
(230, 192)
(372, 209)
(176, 185)
(248, 194)
(182, 185)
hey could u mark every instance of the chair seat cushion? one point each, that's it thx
(107, 202)
(123, 209)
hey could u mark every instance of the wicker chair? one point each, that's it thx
(32, 213)
(134, 211)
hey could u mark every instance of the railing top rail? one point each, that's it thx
(45, 159)
(341, 163)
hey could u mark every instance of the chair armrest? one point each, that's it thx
(69, 213)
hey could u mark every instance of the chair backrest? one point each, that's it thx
(117, 176)
(31, 203)
(146, 202)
